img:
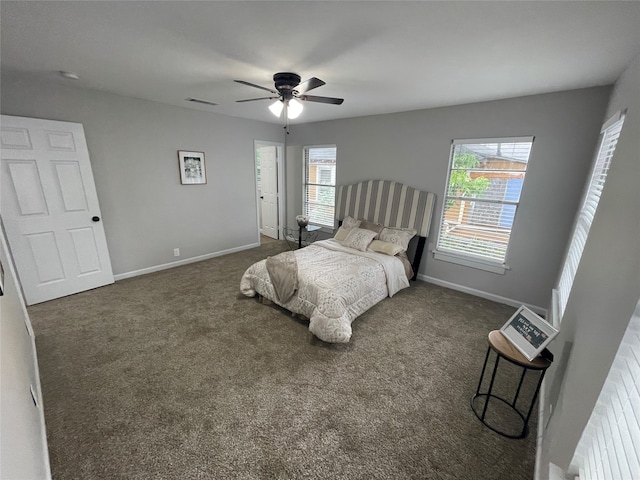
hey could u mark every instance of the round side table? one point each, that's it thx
(505, 350)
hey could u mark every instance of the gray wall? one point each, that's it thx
(23, 444)
(413, 148)
(133, 148)
(606, 288)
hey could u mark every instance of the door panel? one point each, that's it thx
(45, 252)
(48, 201)
(27, 187)
(15, 138)
(86, 250)
(60, 141)
(69, 179)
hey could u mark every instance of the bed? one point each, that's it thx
(332, 282)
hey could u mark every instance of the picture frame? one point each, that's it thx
(528, 332)
(192, 167)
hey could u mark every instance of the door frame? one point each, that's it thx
(281, 192)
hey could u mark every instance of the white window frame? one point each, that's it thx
(306, 184)
(609, 135)
(462, 258)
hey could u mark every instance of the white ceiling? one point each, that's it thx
(381, 57)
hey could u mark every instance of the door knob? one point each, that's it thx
(95, 219)
(261, 197)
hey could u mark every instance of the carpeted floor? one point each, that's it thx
(175, 375)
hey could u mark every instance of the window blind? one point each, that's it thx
(319, 193)
(610, 443)
(609, 139)
(483, 192)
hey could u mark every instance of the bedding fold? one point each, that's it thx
(283, 272)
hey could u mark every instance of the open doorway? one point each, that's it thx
(269, 164)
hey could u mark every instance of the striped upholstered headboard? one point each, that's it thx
(391, 204)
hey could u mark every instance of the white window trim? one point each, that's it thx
(459, 141)
(473, 262)
(460, 258)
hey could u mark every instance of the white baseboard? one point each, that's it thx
(539, 471)
(481, 294)
(186, 261)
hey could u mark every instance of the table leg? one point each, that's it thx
(515, 399)
(493, 377)
(484, 367)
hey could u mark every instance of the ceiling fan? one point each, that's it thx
(288, 90)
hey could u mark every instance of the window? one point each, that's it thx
(319, 194)
(610, 443)
(482, 196)
(609, 139)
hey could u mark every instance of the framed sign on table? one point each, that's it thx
(192, 171)
(528, 332)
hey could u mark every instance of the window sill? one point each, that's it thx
(487, 266)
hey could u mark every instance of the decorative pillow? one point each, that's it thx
(341, 234)
(350, 222)
(385, 247)
(347, 224)
(374, 227)
(359, 238)
(399, 236)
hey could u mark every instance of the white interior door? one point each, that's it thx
(268, 155)
(50, 210)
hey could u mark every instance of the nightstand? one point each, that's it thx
(504, 349)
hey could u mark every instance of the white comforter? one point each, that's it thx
(336, 285)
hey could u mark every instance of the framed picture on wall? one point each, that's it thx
(192, 169)
(528, 332)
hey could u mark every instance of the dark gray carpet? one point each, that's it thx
(175, 375)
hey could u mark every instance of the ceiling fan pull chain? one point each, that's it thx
(286, 117)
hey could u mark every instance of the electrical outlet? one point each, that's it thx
(176, 252)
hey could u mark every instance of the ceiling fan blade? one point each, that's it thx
(313, 98)
(256, 86)
(254, 99)
(307, 85)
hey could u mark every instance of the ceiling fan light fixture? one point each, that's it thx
(276, 108)
(289, 90)
(294, 109)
